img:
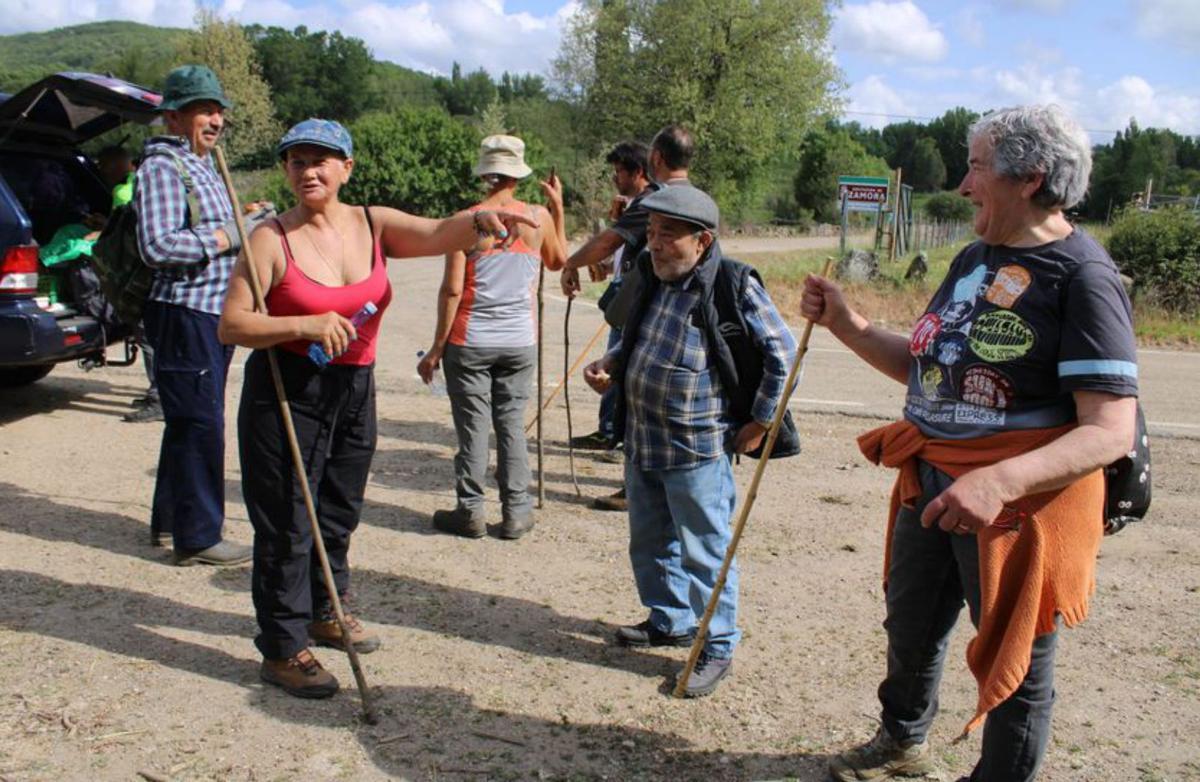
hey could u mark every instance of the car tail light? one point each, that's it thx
(19, 269)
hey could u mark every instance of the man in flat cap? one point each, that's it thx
(187, 234)
(700, 369)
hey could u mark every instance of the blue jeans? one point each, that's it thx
(608, 400)
(190, 367)
(678, 533)
(931, 574)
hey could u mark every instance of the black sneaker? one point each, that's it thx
(617, 502)
(645, 635)
(151, 411)
(460, 522)
(707, 674)
(591, 442)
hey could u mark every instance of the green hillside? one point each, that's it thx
(128, 49)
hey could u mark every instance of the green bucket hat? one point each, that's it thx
(190, 83)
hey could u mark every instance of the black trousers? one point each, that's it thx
(932, 574)
(190, 368)
(334, 415)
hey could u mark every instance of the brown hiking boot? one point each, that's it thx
(460, 521)
(301, 676)
(327, 632)
(881, 758)
(611, 502)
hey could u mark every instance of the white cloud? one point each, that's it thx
(890, 31)
(1133, 96)
(874, 103)
(1034, 5)
(1101, 109)
(1173, 20)
(421, 34)
(19, 16)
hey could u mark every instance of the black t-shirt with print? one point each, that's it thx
(631, 227)
(1012, 332)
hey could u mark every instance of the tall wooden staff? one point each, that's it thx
(541, 380)
(567, 393)
(772, 434)
(297, 460)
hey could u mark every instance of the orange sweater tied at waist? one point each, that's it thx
(1027, 576)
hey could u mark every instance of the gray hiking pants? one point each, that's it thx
(490, 385)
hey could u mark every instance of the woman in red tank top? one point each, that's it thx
(320, 263)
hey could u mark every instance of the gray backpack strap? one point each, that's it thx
(189, 188)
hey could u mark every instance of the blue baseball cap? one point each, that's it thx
(320, 132)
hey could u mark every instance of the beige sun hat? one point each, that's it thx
(504, 155)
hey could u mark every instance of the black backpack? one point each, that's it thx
(1127, 482)
(747, 362)
(124, 276)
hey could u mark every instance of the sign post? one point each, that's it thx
(861, 194)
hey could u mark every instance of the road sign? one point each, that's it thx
(863, 193)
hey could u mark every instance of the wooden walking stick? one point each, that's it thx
(297, 460)
(578, 362)
(772, 434)
(541, 379)
(567, 393)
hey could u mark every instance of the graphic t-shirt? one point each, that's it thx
(1012, 332)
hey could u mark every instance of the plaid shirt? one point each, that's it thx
(677, 413)
(189, 270)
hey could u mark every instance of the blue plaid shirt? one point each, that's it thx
(189, 270)
(677, 415)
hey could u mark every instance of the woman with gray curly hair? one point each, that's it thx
(1022, 386)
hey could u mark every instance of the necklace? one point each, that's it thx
(340, 268)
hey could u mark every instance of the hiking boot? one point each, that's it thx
(327, 632)
(615, 501)
(591, 442)
(460, 521)
(645, 634)
(223, 554)
(707, 674)
(881, 758)
(516, 525)
(151, 411)
(301, 676)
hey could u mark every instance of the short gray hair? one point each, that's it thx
(1031, 140)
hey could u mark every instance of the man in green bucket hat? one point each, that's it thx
(187, 234)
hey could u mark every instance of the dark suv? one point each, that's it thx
(45, 182)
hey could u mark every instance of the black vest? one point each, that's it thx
(718, 315)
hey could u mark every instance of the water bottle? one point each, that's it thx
(316, 351)
(437, 386)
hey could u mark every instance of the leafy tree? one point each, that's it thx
(745, 76)
(515, 86)
(466, 95)
(1160, 250)
(418, 160)
(926, 171)
(949, 132)
(221, 45)
(949, 205)
(900, 139)
(393, 87)
(824, 156)
(314, 74)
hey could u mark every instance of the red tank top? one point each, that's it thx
(299, 294)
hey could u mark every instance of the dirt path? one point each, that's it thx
(496, 663)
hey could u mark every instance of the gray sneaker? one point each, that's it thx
(151, 411)
(223, 554)
(881, 758)
(707, 674)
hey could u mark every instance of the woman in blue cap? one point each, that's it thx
(322, 265)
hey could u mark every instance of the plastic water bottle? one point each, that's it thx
(316, 351)
(437, 386)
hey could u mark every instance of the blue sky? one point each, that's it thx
(1105, 60)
